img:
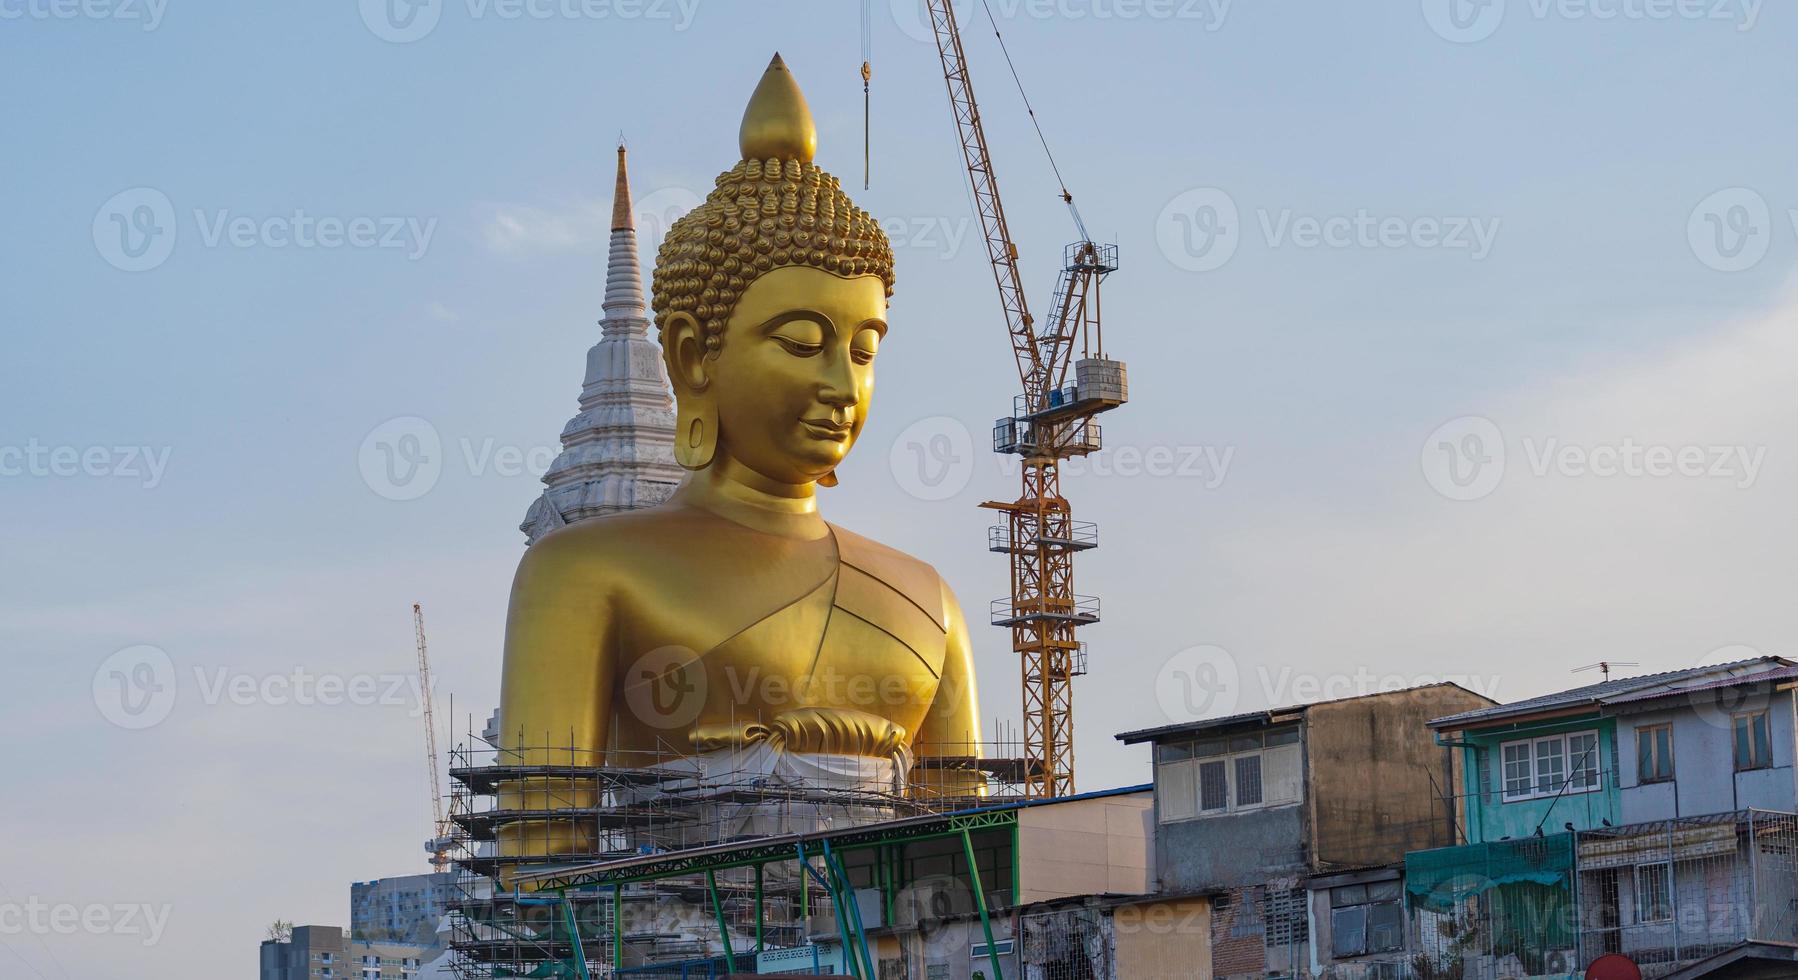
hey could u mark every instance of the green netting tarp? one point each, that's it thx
(1521, 890)
(1441, 879)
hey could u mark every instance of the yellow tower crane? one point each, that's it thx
(439, 844)
(1050, 421)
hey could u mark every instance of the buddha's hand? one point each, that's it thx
(839, 731)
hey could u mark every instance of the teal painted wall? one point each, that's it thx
(1490, 818)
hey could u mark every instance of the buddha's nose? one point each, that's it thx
(838, 388)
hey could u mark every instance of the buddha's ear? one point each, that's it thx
(686, 352)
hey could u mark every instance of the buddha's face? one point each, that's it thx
(796, 372)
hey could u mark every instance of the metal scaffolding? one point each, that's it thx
(571, 807)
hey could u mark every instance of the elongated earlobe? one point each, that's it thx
(696, 418)
(696, 432)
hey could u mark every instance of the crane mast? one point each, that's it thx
(439, 844)
(1051, 421)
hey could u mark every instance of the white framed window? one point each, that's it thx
(1520, 780)
(1554, 765)
(1582, 761)
(1214, 776)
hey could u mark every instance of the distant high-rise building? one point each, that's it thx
(327, 953)
(618, 451)
(401, 909)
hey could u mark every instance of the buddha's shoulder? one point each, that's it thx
(616, 542)
(912, 576)
(860, 550)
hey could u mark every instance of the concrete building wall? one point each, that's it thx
(1085, 847)
(1229, 851)
(1704, 777)
(947, 950)
(1163, 940)
(1375, 777)
(1238, 936)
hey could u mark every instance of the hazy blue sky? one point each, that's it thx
(1365, 246)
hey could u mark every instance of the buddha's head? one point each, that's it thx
(770, 300)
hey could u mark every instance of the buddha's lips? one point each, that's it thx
(827, 428)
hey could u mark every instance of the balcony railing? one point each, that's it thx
(1665, 894)
(1674, 892)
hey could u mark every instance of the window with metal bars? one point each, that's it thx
(1288, 922)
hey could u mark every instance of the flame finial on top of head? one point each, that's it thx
(777, 124)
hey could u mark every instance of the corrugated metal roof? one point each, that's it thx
(1667, 682)
(1758, 677)
(1264, 716)
(1186, 727)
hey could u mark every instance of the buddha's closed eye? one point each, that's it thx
(801, 338)
(865, 345)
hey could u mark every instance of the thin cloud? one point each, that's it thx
(511, 229)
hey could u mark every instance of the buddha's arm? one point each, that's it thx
(556, 685)
(952, 727)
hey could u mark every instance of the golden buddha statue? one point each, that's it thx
(732, 625)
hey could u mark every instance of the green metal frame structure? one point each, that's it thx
(825, 848)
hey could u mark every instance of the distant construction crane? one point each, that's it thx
(1051, 421)
(439, 844)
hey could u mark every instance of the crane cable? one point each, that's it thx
(1044, 140)
(867, 75)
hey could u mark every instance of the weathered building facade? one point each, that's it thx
(1289, 827)
(1294, 791)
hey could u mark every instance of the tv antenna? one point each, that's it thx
(1604, 667)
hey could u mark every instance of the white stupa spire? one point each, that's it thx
(618, 452)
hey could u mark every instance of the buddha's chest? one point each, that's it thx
(809, 633)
